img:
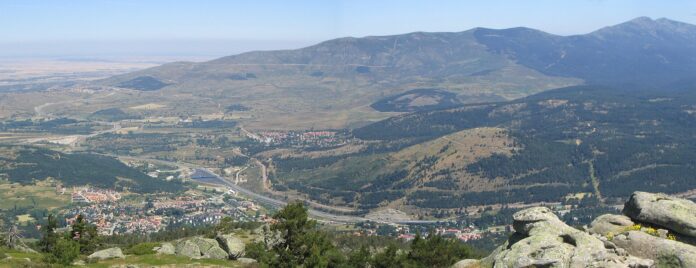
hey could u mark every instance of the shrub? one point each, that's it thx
(64, 252)
(142, 248)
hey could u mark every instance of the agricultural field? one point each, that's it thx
(41, 195)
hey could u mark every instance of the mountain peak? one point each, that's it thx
(641, 20)
(646, 26)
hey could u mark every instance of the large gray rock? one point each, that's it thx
(666, 253)
(165, 249)
(106, 254)
(246, 261)
(468, 263)
(543, 240)
(209, 248)
(232, 245)
(188, 248)
(676, 214)
(199, 247)
(609, 223)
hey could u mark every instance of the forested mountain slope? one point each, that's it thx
(605, 142)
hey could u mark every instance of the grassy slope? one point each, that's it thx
(453, 152)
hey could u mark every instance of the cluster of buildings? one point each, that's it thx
(112, 216)
(94, 195)
(408, 232)
(466, 234)
(315, 138)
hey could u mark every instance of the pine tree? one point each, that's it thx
(49, 236)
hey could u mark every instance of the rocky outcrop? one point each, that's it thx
(209, 248)
(246, 261)
(188, 249)
(165, 249)
(643, 237)
(675, 214)
(223, 247)
(610, 224)
(107, 254)
(468, 263)
(232, 245)
(543, 240)
(666, 253)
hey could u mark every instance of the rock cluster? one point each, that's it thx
(656, 230)
(222, 247)
(106, 254)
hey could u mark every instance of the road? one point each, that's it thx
(259, 198)
(73, 140)
(268, 201)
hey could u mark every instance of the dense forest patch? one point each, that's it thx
(28, 164)
(422, 99)
(143, 83)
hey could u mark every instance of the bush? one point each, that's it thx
(64, 252)
(142, 248)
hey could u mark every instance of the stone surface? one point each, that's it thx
(468, 263)
(106, 254)
(188, 249)
(232, 245)
(609, 223)
(543, 240)
(246, 261)
(675, 214)
(209, 248)
(663, 251)
(166, 249)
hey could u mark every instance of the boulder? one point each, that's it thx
(663, 251)
(188, 249)
(209, 248)
(232, 245)
(541, 239)
(468, 263)
(678, 215)
(106, 254)
(246, 261)
(609, 223)
(267, 236)
(165, 249)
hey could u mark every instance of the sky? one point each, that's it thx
(217, 27)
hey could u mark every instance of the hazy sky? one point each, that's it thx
(209, 27)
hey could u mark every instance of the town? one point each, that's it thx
(324, 138)
(114, 214)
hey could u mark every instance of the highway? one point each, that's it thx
(268, 201)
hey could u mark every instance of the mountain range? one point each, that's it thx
(342, 78)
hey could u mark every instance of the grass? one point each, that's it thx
(19, 259)
(40, 195)
(26, 218)
(162, 260)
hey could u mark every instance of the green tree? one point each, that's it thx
(85, 234)
(48, 232)
(359, 258)
(437, 251)
(64, 252)
(301, 244)
(390, 257)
